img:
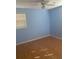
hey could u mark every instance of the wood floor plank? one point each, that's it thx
(45, 48)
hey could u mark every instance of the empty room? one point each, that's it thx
(38, 29)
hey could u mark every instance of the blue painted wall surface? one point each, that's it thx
(37, 24)
(56, 21)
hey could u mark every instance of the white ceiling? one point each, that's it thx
(37, 3)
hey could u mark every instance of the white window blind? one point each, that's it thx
(20, 21)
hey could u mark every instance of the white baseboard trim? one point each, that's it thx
(32, 39)
(57, 37)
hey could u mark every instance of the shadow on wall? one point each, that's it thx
(56, 21)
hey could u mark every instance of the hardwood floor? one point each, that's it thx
(45, 48)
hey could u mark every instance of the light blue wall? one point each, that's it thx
(56, 21)
(37, 24)
(40, 22)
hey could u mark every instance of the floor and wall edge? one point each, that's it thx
(33, 39)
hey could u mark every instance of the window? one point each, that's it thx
(20, 21)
